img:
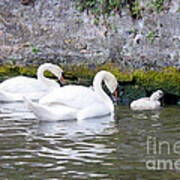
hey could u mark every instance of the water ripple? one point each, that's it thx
(105, 148)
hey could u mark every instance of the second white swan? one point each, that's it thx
(79, 101)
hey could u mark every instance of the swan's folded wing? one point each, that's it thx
(22, 84)
(72, 96)
(50, 113)
(8, 97)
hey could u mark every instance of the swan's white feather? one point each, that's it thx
(51, 113)
(148, 103)
(145, 104)
(22, 84)
(14, 88)
(76, 101)
(72, 96)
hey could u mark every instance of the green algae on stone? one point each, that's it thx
(168, 79)
(16, 70)
(121, 75)
(84, 71)
(8, 70)
(81, 71)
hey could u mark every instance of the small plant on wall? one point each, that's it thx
(106, 7)
(158, 5)
(35, 49)
(102, 9)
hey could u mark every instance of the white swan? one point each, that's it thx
(79, 101)
(14, 88)
(148, 103)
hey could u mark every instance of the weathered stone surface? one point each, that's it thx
(53, 30)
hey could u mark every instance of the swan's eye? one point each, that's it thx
(160, 94)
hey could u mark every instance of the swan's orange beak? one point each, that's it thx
(116, 95)
(62, 79)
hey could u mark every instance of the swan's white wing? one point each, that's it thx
(51, 113)
(144, 104)
(92, 111)
(8, 97)
(22, 84)
(72, 96)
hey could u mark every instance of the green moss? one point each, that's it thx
(84, 71)
(15, 70)
(167, 79)
(121, 75)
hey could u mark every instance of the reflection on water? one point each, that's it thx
(103, 148)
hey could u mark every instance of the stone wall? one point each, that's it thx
(53, 30)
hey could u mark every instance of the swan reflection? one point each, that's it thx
(75, 128)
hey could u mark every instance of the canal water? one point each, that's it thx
(128, 146)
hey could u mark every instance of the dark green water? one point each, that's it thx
(107, 148)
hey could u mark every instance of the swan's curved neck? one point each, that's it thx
(41, 77)
(97, 85)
